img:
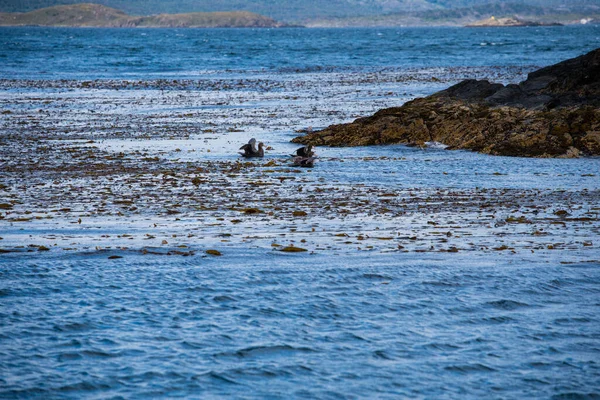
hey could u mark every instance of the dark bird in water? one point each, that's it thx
(251, 151)
(249, 148)
(306, 151)
(305, 162)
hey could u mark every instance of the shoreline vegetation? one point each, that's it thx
(101, 16)
(554, 113)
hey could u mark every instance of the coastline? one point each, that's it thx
(307, 26)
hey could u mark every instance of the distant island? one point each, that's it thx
(513, 14)
(96, 15)
(309, 13)
(342, 13)
(508, 22)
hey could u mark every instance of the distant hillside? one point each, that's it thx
(305, 10)
(505, 22)
(465, 16)
(94, 15)
(239, 19)
(76, 15)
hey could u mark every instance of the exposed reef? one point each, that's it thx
(554, 113)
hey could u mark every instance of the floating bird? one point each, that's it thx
(306, 151)
(251, 151)
(305, 162)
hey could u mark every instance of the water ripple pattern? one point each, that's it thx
(310, 327)
(184, 53)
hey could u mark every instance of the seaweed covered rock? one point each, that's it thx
(554, 113)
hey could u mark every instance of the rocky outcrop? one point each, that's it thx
(554, 113)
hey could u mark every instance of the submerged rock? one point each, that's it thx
(554, 113)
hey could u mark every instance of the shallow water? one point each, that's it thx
(428, 273)
(396, 166)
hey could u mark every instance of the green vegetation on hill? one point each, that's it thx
(94, 15)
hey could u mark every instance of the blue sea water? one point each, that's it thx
(263, 324)
(273, 326)
(60, 53)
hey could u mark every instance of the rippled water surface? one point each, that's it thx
(428, 273)
(50, 53)
(267, 325)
